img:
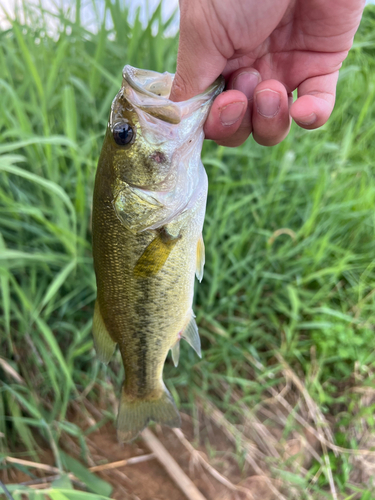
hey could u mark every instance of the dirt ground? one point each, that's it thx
(148, 480)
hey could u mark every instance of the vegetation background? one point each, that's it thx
(287, 305)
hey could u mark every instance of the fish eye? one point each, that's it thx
(123, 133)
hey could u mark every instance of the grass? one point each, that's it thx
(286, 309)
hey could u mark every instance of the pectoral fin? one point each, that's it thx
(200, 259)
(155, 255)
(104, 345)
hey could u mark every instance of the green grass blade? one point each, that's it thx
(93, 482)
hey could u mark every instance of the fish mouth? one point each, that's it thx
(147, 82)
(150, 90)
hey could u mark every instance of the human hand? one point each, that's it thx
(265, 50)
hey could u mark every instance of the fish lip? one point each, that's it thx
(157, 104)
(130, 74)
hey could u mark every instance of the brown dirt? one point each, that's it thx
(213, 439)
(149, 480)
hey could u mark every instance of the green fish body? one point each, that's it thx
(148, 212)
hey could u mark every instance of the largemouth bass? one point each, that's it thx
(148, 211)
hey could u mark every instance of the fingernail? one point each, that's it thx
(231, 113)
(246, 82)
(267, 102)
(308, 120)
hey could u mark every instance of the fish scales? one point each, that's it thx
(148, 212)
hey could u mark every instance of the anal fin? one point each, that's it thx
(104, 345)
(200, 259)
(176, 352)
(191, 335)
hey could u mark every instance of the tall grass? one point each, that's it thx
(289, 234)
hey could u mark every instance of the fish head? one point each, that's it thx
(148, 134)
(136, 160)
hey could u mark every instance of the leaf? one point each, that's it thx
(50, 186)
(292, 478)
(93, 482)
(36, 495)
(41, 257)
(57, 495)
(62, 483)
(70, 111)
(53, 140)
(79, 495)
(5, 294)
(23, 431)
(55, 348)
(58, 281)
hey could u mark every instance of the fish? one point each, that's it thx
(149, 204)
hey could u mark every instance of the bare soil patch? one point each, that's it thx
(148, 480)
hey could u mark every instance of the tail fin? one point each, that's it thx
(135, 414)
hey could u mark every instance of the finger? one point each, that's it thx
(316, 99)
(225, 116)
(237, 129)
(199, 62)
(270, 117)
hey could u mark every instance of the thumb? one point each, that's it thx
(199, 62)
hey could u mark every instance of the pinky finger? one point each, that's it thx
(316, 98)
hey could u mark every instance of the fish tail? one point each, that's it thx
(135, 414)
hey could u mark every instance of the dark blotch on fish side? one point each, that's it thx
(158, 156)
